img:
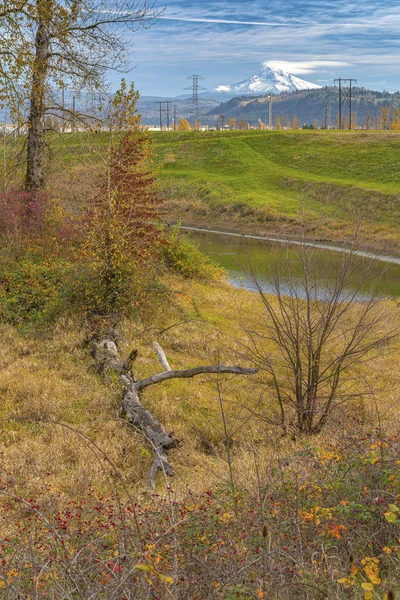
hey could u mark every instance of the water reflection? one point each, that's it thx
(244, 257)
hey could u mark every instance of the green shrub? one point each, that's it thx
(32, 290)
(182, 256)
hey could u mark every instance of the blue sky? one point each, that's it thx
(226, 41)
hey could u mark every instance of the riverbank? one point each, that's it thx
(320, 185)
(241, 255)
(51, 379)
(74, 472)
(294, 242)
(373, 239)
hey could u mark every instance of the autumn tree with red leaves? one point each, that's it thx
(124, 238)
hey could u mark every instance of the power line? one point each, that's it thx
(345, 97)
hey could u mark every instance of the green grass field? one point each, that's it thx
(328, 174)
(261, 178)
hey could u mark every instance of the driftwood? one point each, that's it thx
(107, 357)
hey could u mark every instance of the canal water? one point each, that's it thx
(242, 257)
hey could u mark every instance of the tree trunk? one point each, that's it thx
(34, 180)
(107, 357)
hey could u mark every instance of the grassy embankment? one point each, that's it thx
(264, 181)
(50, 376)
(260, 181)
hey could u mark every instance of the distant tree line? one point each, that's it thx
(319, 109)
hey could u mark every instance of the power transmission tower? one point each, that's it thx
(345, 97)
(222, 118)
(195, 88)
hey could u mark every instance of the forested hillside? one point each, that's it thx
(315, 107)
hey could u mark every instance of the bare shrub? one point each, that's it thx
(314, 333)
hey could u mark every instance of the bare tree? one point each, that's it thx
(53, 44)
(314, 331)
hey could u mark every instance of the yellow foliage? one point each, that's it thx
(184, 125)
(371, 569)
(347, 582)
(123, 235)
(367, 587)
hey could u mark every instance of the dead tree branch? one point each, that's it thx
(107, 357)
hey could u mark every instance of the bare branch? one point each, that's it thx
(161, 356)
(107, 357)
(160, 377)
(316, 332)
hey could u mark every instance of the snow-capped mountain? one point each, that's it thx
(269, 81)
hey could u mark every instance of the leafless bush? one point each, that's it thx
(315, 331)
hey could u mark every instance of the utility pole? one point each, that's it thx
(345, 97)
(270, 112)
(161, 112)
(174, 118)
(73, 114)
(195, 87)
(328, 115)
(63, 107)
(222, 117)
(350, 113)
(168, 109)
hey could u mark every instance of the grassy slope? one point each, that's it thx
(53, 378)
(331, 175)
(278, 482)
(260, 179)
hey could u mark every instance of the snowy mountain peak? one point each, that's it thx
(268, 81)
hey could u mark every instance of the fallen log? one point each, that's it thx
(107, 357)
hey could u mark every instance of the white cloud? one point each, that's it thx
(305, 67)
(222, 21)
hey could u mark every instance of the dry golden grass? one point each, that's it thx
(49, 385)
